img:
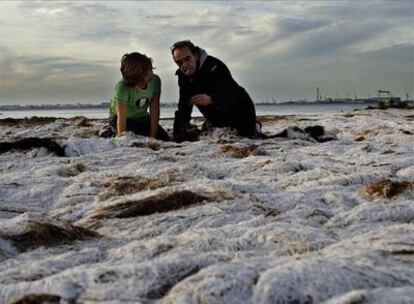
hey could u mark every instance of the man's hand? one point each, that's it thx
(201, 100)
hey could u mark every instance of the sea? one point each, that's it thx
(168, 111)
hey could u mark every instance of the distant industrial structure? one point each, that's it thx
(384, 99)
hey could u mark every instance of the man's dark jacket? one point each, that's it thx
(232, 106)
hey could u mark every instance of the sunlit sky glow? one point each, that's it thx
(69, 52)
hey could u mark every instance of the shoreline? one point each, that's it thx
(259, 116)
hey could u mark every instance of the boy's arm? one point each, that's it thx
(154, 115)
(121, 120)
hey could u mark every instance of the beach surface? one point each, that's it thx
(292, 219)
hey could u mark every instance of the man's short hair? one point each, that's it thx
(134, 68)
(182, 44)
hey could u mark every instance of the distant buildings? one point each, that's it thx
(54, 106)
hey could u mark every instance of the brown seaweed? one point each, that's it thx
(31, 143)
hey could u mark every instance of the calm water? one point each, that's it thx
(168, 111)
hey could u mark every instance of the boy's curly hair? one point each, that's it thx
(134, 68)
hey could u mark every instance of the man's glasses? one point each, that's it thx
(180, 63)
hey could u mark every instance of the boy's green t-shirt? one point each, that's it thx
(137, 100)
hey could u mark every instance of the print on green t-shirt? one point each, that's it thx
(136, 100)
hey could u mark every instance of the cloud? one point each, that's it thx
(63, 20)
(159, 16)
(68, 9)
(335, 40)
(109, 31)
(329, 35)
(389, 68)
(275, 48)
(49, 78)
(384, 10)
(401, 54)
(94, 10)
(291, 26)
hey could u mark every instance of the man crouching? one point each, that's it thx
(206, 82)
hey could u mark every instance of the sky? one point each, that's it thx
(69, 51)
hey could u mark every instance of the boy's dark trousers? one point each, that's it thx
(141, 127)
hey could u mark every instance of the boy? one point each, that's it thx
(139, 90)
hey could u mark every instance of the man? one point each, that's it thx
(206, 82)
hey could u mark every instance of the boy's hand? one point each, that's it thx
(201, 100)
